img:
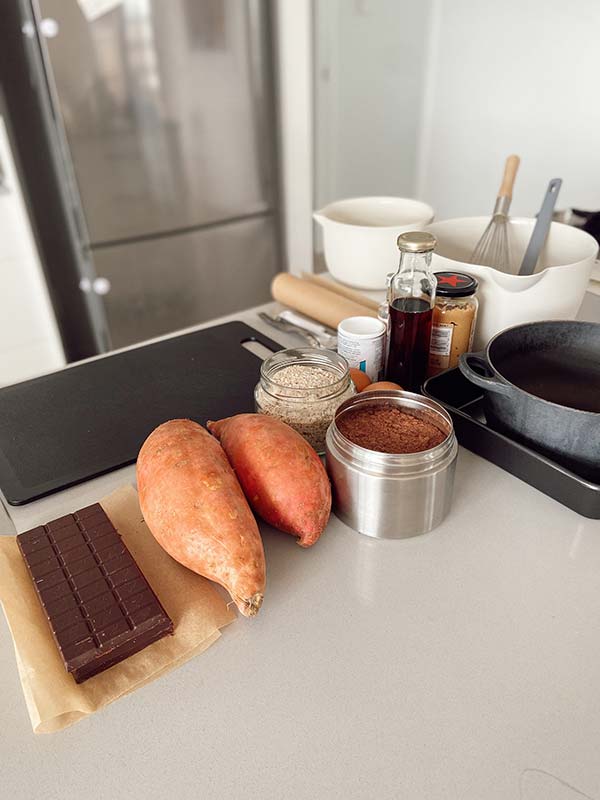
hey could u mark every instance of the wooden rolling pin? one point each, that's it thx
(311, 299)
(339, 288)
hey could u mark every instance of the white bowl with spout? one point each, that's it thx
(554, 291)
(359, 236)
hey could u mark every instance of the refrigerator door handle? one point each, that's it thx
(49, 27)
(99, 285)
(46, 89)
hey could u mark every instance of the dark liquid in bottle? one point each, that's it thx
(410, 333)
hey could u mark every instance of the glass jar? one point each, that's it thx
(454, 318)
(303, 387)
(411, 299)
(383, 312)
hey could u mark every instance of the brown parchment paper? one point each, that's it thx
(54, 700)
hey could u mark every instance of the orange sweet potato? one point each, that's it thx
(281, 475)
(197, 512)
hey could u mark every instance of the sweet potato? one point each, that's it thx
(196, 510)
(281, 475)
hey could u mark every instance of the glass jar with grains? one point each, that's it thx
(454, 318)
(303, 387)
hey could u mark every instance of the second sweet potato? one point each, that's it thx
(281, 475)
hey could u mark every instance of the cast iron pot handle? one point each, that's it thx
(490, 384)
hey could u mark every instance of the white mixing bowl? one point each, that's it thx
(359, 236)
(555, 291)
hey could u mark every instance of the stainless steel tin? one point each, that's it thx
(390, 495)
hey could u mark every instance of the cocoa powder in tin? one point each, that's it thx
(387, 429)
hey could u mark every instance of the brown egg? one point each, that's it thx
(360, 379)
(381, 386)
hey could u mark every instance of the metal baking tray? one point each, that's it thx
(463, 401)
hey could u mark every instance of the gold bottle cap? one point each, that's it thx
(416, 242)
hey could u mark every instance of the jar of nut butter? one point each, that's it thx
(454, 318)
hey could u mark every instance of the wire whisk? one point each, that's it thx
(493, 249)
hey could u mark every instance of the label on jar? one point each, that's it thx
(441, 345)
(364, 354)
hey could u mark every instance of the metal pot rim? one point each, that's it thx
(505, 380)
(378, 462)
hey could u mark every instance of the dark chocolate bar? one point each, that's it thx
(99, 605)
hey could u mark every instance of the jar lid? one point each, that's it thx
(416, 242)
(455, 284)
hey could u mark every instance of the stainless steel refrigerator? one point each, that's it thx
(164, 115)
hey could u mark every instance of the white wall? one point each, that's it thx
(369, 80)
(507, 77)
(428, 98)
(29, 339)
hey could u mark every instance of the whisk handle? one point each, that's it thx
(510, 173)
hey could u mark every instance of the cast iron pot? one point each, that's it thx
(542, 386)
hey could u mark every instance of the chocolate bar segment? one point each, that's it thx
(100, 607)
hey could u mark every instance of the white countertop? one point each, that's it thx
(460, 664)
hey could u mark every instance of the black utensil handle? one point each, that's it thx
(480, 360)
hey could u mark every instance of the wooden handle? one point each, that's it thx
(338, 288)
(510, 173)
(314, 301)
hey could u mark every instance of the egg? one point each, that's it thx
(359, 378)
(381, 386)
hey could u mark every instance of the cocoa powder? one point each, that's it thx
(387, 429)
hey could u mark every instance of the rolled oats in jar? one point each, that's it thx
(303, 387)
(454, 319)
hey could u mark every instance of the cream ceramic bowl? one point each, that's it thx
(554, 291)
(359, 236)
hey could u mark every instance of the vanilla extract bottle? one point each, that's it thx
(411, 300)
